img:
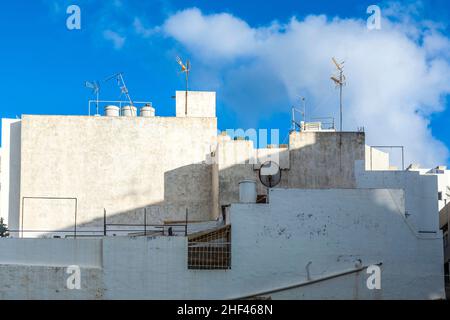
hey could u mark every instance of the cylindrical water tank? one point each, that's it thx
(129, 111)
(112, 111)
(247, 191)
(147, 111)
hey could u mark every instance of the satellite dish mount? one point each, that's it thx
(269, 174)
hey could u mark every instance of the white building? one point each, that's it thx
(333, 215)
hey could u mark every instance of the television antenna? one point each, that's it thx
(95, 86)
(302, 112)
(304, 108)
(339, 80)
(122, 86)
(185, 68)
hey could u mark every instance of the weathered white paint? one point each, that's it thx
(420, 194)
(376, 159)
(247, 191)
(10, 172)
(122, 164)
(313, 160)
(1, 214)
(443, 176)
(51, 252)
(200, 104)
(301, 235)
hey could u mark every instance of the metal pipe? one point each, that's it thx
(185, 226)
(104, 222)
(145, 221)
(331, 276)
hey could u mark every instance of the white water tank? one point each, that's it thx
(129, 111)
(147, 111)
(247, 191)
(111, 111)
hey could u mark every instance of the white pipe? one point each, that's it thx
(305, 283)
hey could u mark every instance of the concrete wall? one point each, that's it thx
(122, 164)
(235, 159)
(50, 252)
(330, 230)
(420, 194)
(324, 159)
(10, 172)
(1, 215)
(200, 104)
(376, 159)
(301, 235)
(444, 203)
(313, 160)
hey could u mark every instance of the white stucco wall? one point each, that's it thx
(313, 160)
(200, 104)
(376, 159)
(421, 192)
(10, 172)
(122, 164)
(444, 203)
(301, 235)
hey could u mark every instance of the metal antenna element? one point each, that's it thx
(339, 80)
(185, 68)
(302, 112)
(95, 86)
(122, 86)
(295, 124)
(304, 108)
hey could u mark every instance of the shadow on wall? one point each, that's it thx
(203, 188)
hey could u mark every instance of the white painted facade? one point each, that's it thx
(10, 172)
(327, 221)
(301, 236)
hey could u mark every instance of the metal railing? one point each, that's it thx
(210, 250)
(126, 228)
(389, 147)
(327, 123)
(145, 228)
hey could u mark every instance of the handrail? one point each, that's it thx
(411, 228)
(297, 285)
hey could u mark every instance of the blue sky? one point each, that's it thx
(44, 65)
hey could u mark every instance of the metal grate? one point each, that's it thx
(210, 250)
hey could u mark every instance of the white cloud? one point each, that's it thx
(117, 40)
(141, 30)
(395, 81)
(214, 37)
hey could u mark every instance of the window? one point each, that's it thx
(439, 195)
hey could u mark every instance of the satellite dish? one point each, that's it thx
(269, 174)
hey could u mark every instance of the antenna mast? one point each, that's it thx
(185, 68)
(122, 85)
(95, 86)
(304, 108)
(339, 80)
